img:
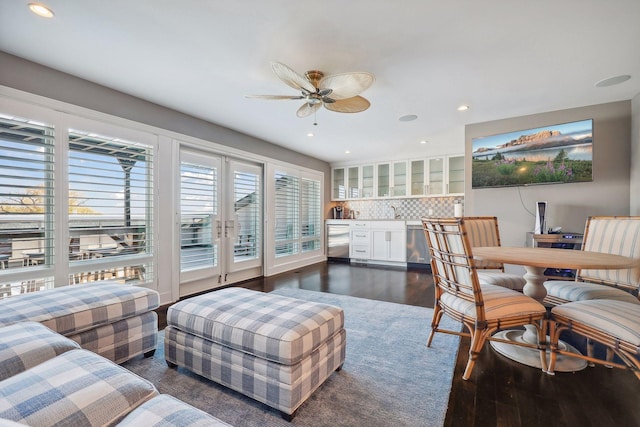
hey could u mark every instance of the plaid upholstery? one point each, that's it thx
(77, 388)
(613, 318)
(73, 309)
(284, 387)
(122, 340)
(167, 411)
(272, 327)
(27, 344)
(499, 303)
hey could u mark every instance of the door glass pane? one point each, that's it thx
(456, 174)
(247, 208)
(353, 182)
(400, 179)
(198, 216)
(383, 180)
(339, 191)
(367, 181)
(436, 176)
(417, 177)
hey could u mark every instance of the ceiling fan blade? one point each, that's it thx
(273, 97)
(347, 85)
(291, 78)
(307, 109)
(354, 104)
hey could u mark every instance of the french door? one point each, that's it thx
(220, 221)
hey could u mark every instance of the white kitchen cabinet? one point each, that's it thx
(392, 179)
(455, 175)
(360, 240)
(338, 184)
(388, 241)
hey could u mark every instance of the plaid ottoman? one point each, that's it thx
(274, 349)
(77, 388)
(24, 345)
(116, 321)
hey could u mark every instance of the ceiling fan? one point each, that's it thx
(338, 92)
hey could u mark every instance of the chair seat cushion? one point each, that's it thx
(570, 290)
(77, 388)
(26, 344)
(73, 309)
(273, 327)
(499, 303)
(615, 318)
(167, 411)
(499, 278)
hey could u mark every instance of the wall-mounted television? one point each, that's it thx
(546, 155)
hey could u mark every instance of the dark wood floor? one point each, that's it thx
(500, 392)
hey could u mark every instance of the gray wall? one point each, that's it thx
(37, 79)
(634, 199)
(569, 205)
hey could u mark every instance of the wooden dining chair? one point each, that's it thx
(483, 231)
(619, 235)
(614, 324)
(483, 310)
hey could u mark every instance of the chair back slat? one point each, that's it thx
(619, 235)
(483, 231)
(452, 261)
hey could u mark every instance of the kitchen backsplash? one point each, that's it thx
(411, 209)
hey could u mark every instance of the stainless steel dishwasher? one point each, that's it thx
(338, 241)
(417, 248)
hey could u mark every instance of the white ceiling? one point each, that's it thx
(504, 58)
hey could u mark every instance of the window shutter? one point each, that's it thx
(26, 199)
(287, 214)
(110, 208)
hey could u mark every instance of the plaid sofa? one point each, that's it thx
(113, 320)
(274, 349)
(47, 380)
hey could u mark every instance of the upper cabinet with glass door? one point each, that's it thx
(436, 176)
(392, 179)
(455, 175)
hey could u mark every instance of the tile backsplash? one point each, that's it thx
(408, 209)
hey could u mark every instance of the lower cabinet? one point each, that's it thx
(389, 241)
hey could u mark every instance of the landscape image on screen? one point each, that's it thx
(551, 154)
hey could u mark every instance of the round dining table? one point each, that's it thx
(536, 261)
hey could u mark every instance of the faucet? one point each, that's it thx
(396, 215)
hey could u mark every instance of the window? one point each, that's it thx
(298, 217)
(110, 208)
(26, 203)
(75, 206)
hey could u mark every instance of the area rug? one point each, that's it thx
(389, 378)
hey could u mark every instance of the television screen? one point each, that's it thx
(550, 154)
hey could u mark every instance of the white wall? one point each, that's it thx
(569, 205)
(634, 198)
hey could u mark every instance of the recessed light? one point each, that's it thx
(424, 141)
(610, 81)
(408, 118)
(463, 108)
(41, 10)
(347, 152)
(310, 134)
